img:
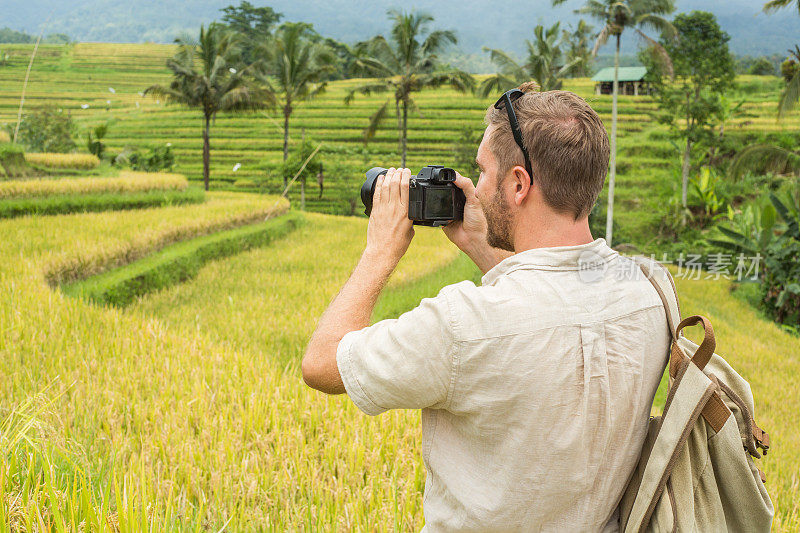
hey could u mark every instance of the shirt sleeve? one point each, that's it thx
(401, 363)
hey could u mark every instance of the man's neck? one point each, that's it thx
(549, 231)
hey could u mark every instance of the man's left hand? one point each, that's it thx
(390, 231)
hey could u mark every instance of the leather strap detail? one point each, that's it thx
(706, 349)
(761, 436)
(716, 412)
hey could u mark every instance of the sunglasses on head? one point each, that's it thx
(507, 99)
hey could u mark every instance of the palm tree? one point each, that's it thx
(213, 87)
(577, 42)
(791, 94)
(542, 64)
(617, 16)
(774, 5)
(768, 157)
(297, 63)
(404, 66)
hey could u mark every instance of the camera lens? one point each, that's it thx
(368, 189)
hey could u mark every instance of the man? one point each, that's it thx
(536, 386)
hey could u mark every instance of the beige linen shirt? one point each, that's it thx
(535, 388)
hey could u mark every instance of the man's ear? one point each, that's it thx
(522, 184)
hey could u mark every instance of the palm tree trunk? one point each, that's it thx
(405, 133)
(206, 152)
(612, 174)
(287, 111)
(399, 125)
(687, 153)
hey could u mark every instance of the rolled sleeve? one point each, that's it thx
(401, 363)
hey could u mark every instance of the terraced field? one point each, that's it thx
(85, 74)
(185, 410)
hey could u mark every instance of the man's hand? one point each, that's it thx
(471, 231)
(390, 231)
(469, 234)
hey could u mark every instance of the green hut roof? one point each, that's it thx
(625, 74)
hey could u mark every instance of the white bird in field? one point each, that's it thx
(84, 106)
(237, 166)
(111, 90)
(232, 70)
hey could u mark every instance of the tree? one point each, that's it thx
(766, 156)
(404, 66)
(791, 94)
(617, 16)
(46, 129)
(203, 77)
(254, 24)
(762, 67)
(704, 69)
(544, 64)
(297, 65)
(578, 50)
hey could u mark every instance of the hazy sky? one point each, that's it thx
(477, 22)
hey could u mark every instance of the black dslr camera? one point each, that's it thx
(433, 198)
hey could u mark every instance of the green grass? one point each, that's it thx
(85, 203)
(177, 263)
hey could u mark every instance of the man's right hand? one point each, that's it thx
(471, 231)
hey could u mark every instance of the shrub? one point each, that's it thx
(789, 69)
(762, 67)
(47, 130)
(154, 160)
(12, 159)
(95, 143)
(54, 160)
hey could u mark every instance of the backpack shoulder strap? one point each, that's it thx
(661, 279)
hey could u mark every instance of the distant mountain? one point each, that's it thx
(477, 22)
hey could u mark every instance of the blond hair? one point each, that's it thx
(566, 143)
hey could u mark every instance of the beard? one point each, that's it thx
(498, 220)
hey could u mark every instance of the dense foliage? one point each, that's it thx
(46, 129)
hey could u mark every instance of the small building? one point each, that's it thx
(631, 81)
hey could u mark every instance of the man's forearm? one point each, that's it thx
(350, 310)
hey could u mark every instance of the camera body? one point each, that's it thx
(433, 197)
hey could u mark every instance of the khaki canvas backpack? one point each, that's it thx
(696, 470)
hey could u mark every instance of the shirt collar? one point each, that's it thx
(553, 258)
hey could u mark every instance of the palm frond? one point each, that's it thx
(366, 90)
(602, 38)
(774, 5)
(659, 24)
(660, 52)
(436, 40)
(496, 84)
(789, 96)
(375, 121)
(763, 158)
(505, 63)
(168, 94)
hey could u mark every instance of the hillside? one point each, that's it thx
(475, 22)
(107, 80)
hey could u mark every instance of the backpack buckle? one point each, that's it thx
(761, 437)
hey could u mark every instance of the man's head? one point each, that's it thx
(568, 148)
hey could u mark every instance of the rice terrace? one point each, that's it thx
(159, 295)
